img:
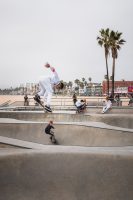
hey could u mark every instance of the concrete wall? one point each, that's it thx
(122, 120)
(88, 175)
(69, 134)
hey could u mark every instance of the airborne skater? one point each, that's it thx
(47, 86)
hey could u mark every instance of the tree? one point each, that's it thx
(65, 84)
(81, 84)
(70, 84)
(83, 79)
(85, 83)
(103, 41)
(90, 79)
(115, 44)
(77, 82)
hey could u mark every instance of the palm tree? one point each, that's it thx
(115, 44)
(85, 83)
(90, 79)
(81, 84)
(83, 79)
(103, 41)
(70, 84)
(77, 81)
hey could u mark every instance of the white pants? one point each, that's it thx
(106, 108)
(46, 89)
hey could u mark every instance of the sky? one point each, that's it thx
(63, 33)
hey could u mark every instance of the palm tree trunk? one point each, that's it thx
(107, 74)
(113, 74)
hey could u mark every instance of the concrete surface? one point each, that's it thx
(93, 160)
(89, 109)
(121, 120)
(72, 173)
(81, 134)
(6, 142)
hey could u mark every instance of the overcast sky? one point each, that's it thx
(63, 33)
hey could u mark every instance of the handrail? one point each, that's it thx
(68, 101)
(5, 103)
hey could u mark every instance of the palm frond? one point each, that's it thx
(112, 34)
(98, 38)
(102, 31)
(118, 47)
(121, 41)
(107, 31)
(100, 42)
(118, 34)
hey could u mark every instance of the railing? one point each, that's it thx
(6, 103)
(68, 102)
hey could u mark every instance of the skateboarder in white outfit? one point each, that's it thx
(47, 85)
(107, 106)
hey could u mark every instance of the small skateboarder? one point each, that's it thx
(47, 86)
(50, 132)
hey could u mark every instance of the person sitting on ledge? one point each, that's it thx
(107, 105)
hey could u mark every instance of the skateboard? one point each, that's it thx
(41, 104)
(80, 110)
(53, 140)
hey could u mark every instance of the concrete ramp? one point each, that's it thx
(72, 173)
(120, 120)
(93, 160)
(70, 134)
(6, 142)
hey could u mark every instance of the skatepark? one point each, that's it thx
(93, 158)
